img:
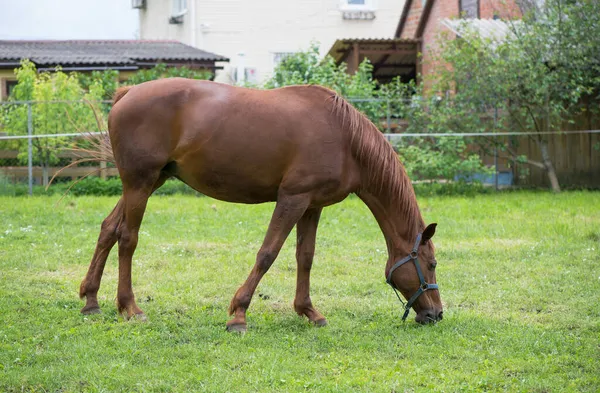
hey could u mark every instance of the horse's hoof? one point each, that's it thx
(320, 322)
(237, 328)
(141, 317)
(91, 310)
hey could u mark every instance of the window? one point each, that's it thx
(469, 8)
(6, 87)
(138, 4)
(250, 75)
(357, 5)
(179, 7)
(358, 9)
(178, 11)
(10, 85)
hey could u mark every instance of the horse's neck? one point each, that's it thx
(399, 222)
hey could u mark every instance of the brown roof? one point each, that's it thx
(105, 52)
(425, 11)
(390, 57)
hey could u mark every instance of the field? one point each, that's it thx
(519, 275)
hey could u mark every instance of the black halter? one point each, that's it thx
(424, 286)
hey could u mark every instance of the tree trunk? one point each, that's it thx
(45, 169)
(548, 166)
(45, 174)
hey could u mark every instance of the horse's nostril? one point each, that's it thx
(440, 316)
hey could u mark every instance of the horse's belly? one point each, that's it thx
(230, 185)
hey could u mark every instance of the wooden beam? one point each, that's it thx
(397, 66)
(419, 68)
(402, 22)
(388, 51)
(424, 18)
(353, 66)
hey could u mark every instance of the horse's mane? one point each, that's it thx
(384, 173)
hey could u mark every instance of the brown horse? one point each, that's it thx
(304, 147)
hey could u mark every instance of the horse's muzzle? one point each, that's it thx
(429, 316)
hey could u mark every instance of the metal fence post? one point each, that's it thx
(388, 116)
(30, 148)
(496, 147)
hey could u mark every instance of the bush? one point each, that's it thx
(112, 187)
(427, 189)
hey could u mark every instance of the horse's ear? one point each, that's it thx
(428, 233)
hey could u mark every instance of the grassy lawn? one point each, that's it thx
(519, 275)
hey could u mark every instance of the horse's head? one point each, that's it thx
(414, 276)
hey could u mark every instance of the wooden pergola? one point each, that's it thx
(390, 57)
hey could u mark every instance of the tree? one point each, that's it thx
(61, 103)
(536, 79)
(55, 103)
(109, 79)
(162, 70)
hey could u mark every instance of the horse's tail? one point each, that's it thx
(120, 93)
(96, 146)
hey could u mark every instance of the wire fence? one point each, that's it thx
(35, 137)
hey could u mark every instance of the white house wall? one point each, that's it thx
(261, 28)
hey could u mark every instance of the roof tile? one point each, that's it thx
(109, 52)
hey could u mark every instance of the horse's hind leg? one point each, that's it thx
(136, 191)
(288, 211)
(109, 234)
(306, 231)
(107, 239)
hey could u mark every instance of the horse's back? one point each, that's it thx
(232, 143)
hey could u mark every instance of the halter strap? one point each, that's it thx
(424, 286)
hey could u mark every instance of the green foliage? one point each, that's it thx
(108, 79)
(471, 189)
(536, 79)
(163, 71)
(59, 105)
(306, 67)
(95, 186)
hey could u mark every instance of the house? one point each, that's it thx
(408, 53)
(125, 56)
(423, 20)
(257, 35)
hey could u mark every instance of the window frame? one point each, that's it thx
(460, 10)
(6, 86)
(368, 5)
(178, 8)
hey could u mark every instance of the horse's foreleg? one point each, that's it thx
(288, 211)
(306, 232)
(107, 239)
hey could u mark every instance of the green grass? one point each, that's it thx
(519, 275)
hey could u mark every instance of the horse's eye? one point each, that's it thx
(432, 265)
